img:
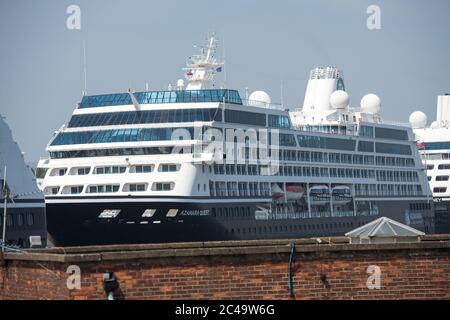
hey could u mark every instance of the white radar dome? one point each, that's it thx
(434, 125)
(259, 97)
(418, 120)
(339, 99)
(370, 103)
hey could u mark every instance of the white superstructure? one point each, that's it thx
(138, 166)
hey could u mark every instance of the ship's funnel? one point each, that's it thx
(443, 109)
(321, 84)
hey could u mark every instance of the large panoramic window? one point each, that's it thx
(123, 135)
(365, 146)
(326, 143)
(115, 152)
(280, 122)
(154, 97)
(145, 116)
(245, 117)
(392, 148)
(387, 133)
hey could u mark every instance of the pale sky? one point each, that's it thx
(133, 42)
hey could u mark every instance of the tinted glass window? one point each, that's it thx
(244, 117)
(392, 148)
(365, 146)
(387, 133)
(326, 143)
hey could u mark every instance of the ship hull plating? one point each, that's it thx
(78, 223)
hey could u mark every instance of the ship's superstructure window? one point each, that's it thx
(441, 178)
(366, 131)
(141, 169)
(439, 190)
(287, 140)
(41, 172)
(430, 166)
(168, 167)
(120, 135)
(136, 187)
(111, 152)
(58, 172)
(163, 186)
(154, 97)
(103, 188)
(437, 145)
(76, 189)
(393, 148)
(279, 121)
(365, 146)
(80, 171)
(388, 133)
(110, 170)
(51, 190)
(326, 143)
(145, 116)
(445, 166)
(245, 117)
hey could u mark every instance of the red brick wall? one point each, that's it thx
(405, 274)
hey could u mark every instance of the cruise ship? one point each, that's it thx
(22, 213)
(434, 146)
(200, 162)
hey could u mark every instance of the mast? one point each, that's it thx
(201, 68)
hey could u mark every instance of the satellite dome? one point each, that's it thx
(370, 103)
(259, 98)
(418, 120)
(434, 125)
(339, 99)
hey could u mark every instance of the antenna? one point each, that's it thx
(84, 66)
(281, 92)
(223, 61)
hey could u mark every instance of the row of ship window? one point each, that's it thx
(345, 158)
(112, 152)
(439, 178)
(263, 189)
(380, 175)
(445, 166)
(180, 115)
(155, 97)
(115, 169)
(110, 188)
(145, 116)
(439, 190)
(388, 190)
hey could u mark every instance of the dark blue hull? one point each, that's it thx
(74, 224)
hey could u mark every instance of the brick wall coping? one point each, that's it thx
(218, 248)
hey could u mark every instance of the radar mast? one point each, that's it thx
(201, 68)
